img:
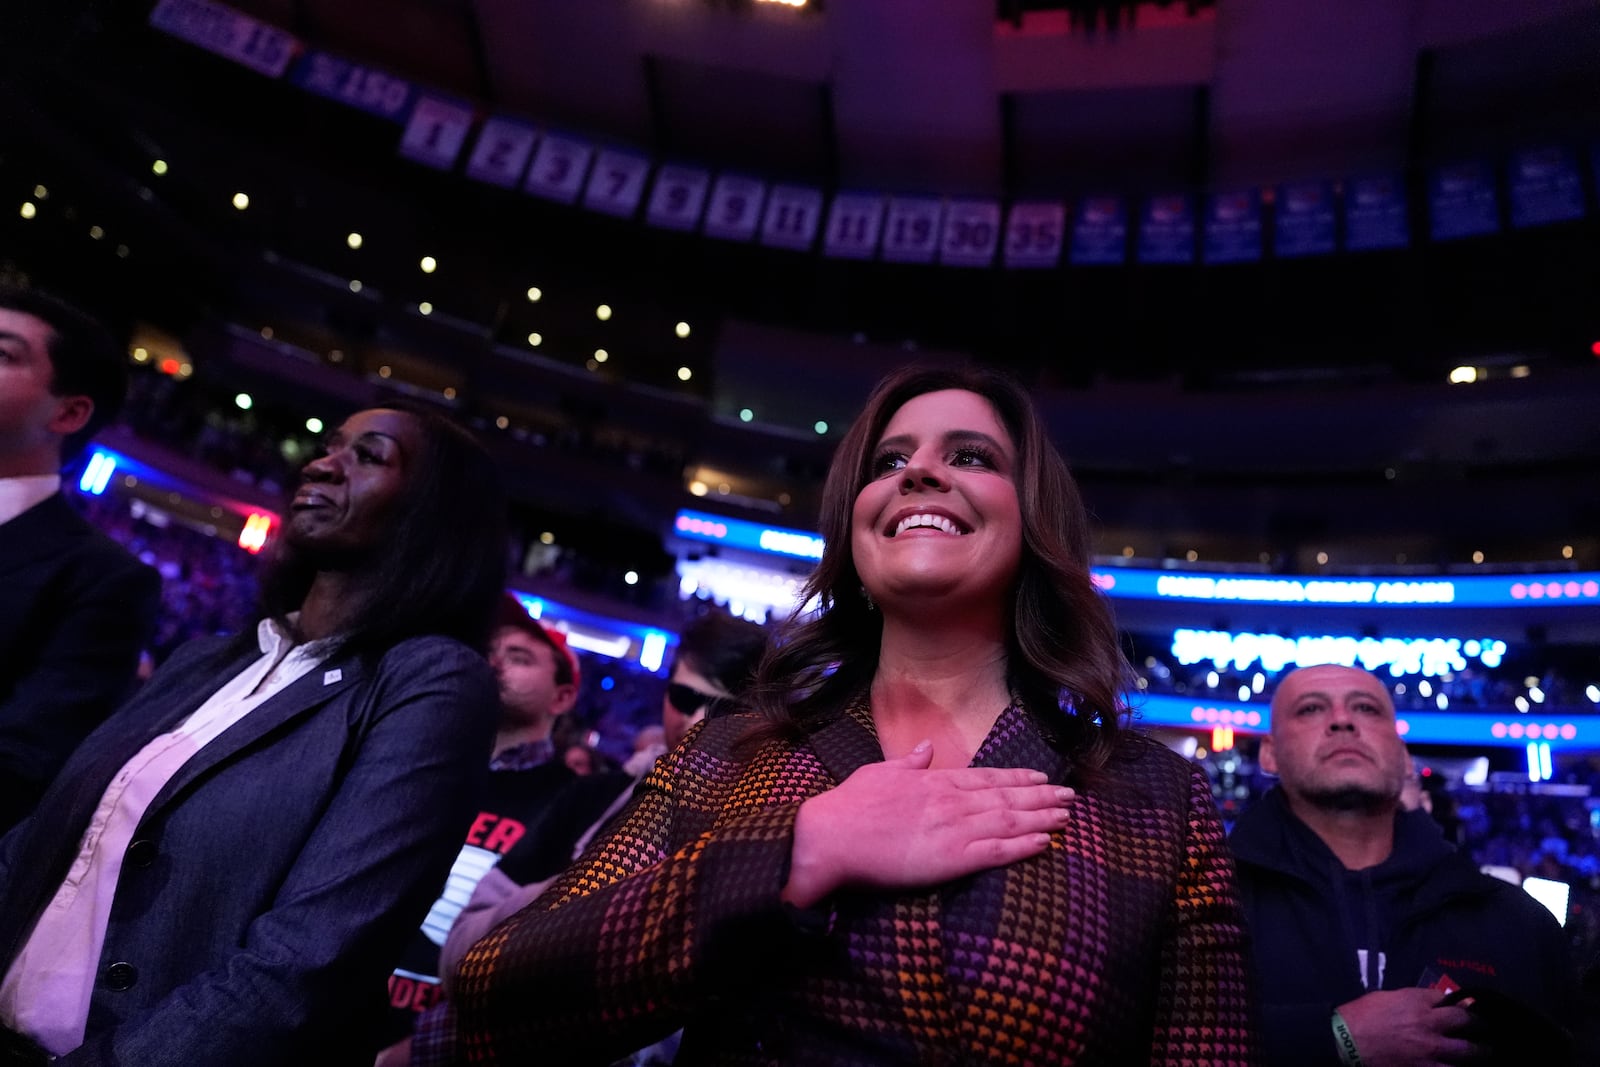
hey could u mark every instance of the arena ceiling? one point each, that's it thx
(1271, 398)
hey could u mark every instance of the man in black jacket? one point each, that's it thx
(1376, 941)
(75, 608)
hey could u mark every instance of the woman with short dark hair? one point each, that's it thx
(227, 869)
(938, 844)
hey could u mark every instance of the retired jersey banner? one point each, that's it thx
(559, 166)
(616, 183)
(734, 210)
(1545, 187)
(911, 229)
(1375, 214)
(221, 30)
(677, 197)
(1166, 232)
(1100, 232)
(854, 221)
(501, 153)
(1233, 227)
(436, 130)
(1305, 222)
(1034, 234)
(1462, 201)
(971, 233)
(365, 88)
(792, 216)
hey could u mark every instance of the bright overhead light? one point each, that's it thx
(684, 374)
(601, 355)
(1464, 375)
(682, 329)
(241, 200)
(425, 308)
(429, 264)
(535, 294)
(244, 401)
(820, 426)
(28, 210)
(699, 488)
(41, 193)
(158, 167)
(353, 239)
(745, 414)
(355, 285)
(96, 232)
(603, 312)
(314, 424)
(535, 339)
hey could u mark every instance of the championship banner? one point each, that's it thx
(793, 213)
(677, 197)
(1545, 187)
(1166, 231)
(854, 222)
(1375, 214)
(1463, 201)
(911, 229)
(1305, 222)
(558, 168)
(971, 233)
(1233, 227)
(501, 153)
(1100, 232)
(437, 129)
(377, 92)
(616, 183)
(1034, 234)
(734, 210)
(228, 33)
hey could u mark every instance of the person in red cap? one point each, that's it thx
(538, 677)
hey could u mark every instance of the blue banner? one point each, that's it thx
(369, 89)
(1100, 232)
(1166, 231)
(1233, 227)
(1375, 214)
(1462, 201)
(1545, 187)
(1305, 223)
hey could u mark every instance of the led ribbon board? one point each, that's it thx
(1504, 590)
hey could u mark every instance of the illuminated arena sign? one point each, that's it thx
(1430, 656)
(1557, 729)
(1506, 590)
(750, 536)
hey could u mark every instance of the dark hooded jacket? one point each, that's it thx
(1324, 935)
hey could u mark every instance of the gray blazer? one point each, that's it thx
(272, 883)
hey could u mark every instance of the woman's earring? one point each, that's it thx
(866, 596)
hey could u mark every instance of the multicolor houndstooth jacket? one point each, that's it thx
(1122, 944)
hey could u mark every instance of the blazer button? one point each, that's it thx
(121, 976)
(142, 853)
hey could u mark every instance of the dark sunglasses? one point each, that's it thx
(686, 700)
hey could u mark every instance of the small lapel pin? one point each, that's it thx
(329, 677)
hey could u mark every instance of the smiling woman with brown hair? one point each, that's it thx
(226, 870)
(937, 844)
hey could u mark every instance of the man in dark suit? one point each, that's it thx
(75, 608)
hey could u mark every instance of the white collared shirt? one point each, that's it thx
(19, 494)
(45, 994)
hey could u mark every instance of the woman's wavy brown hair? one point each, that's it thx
(1064, 659)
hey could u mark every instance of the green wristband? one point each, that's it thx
(1347, 1044)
